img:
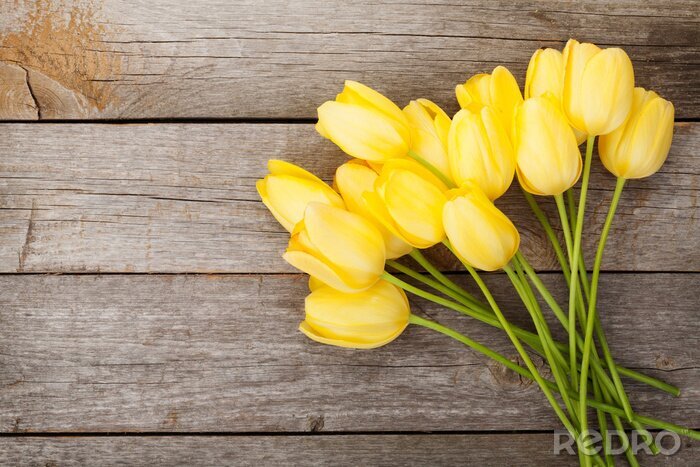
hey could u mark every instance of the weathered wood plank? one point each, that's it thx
(181, 198)
(281, 59)
(133, 353)
(340, 450)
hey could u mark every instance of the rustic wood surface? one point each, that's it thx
(107, 353)
(340, 450)
(108, 324)
(280, 59)
(181, 198)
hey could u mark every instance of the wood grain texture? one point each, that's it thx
(341, 450)
(181, 198)
(178, 353)
(281, 59)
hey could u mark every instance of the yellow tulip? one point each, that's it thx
(407, 200)
(480, 150)
(546, 151)
(429, 127)
(353, 179)
(288, 189)
(363, 320)
(481, 235)
(498, 90)
(340, 248)
(598, 87)
(639, 147)
(545, 74)
(364, 124)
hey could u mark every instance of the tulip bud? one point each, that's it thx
(481, 235)
(480, 150)
(639, 147)
(337, 247)
(353, 179)
(545, 74)
(598, 87)
(429, 127)
(364, 124)
(363, 320)
(547, 155)
(498, 90)
(288, 189)
(407, 200)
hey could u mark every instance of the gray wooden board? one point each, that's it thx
(340, 450)
(181, 198)
(282, 59)
(136, 353)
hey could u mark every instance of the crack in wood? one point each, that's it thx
(32, 93)
(28, 238)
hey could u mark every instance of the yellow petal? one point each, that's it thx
(364, 96)
(575, 57)
(315, 267)
(416, 207)
(607, 86)
(479, 232)
(366, 319)
(287, 196)
(505, 95)
(545, 73)
(347, 241)
(363, 133)
(353, 180)
(548, 158)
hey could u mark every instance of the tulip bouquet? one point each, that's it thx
(419, 178)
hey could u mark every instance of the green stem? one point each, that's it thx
(540, 316)
(590, 318)
(572, 305)
(561, 316)
(565, 226)
(523, 355)
(443, 289)
(549, 231)
(434, 170)
(603, 425)
(487, 318)
(559, 378)
(581, 264)
(435, 272)
(573, 283)
(596, 404)
(656, 383)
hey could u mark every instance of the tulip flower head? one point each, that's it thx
(480, 150)
(639, 147)
(480, 234)
(340, 248)
(364, 124)
(353, 179)
(598, 87)
(288, 189)
(429, 127)
(407, 200)
(545, 75)
(363, 320)
(498, 90)
(547, 155)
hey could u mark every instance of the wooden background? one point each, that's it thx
(145, 313)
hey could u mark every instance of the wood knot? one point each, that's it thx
(506, 378)
(665, 362)
(315, 423)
